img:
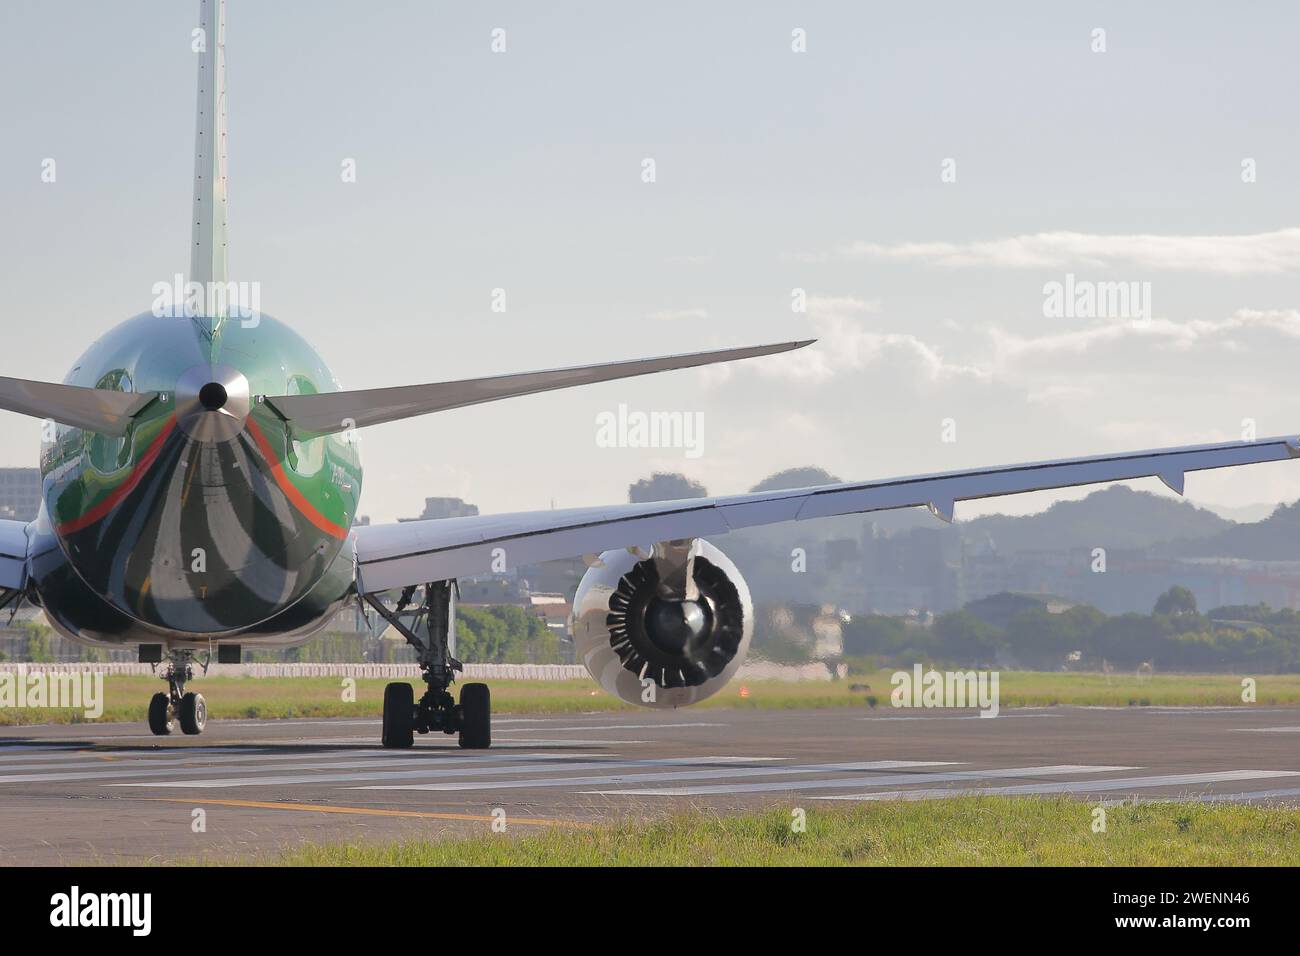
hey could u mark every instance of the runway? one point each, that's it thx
(114, 793)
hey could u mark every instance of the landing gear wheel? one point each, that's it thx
(476, 717)
(160, 718)
(194, 713)
(399, 715)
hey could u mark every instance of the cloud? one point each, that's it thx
(1179, 335)
(845, 345)
(1254, 254)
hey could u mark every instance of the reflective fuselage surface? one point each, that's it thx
(196, 525)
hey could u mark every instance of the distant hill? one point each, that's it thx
(1117, 517)
(1242, 514)
(1276, 538)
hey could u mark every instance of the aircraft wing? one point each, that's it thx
(94, 409)
(415, 552)
(13, 554)
(326, 412)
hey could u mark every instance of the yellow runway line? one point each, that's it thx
(376, 812)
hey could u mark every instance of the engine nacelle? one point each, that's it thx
(662, 651)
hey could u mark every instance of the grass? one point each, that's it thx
(961, 831)
(127, 697)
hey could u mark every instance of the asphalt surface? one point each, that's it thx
(114, 793)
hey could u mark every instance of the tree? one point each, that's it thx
(664, 486)
(999, 609)
(805, 477)
(38, 642)
(962, 637)
(504, 634)
(1177, 600)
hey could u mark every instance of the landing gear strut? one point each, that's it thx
(431, 631)
(189, 708)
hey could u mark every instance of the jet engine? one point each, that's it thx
(663, 629)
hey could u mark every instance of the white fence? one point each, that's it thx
(391, 671)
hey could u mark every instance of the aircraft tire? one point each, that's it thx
(160, 721)
(399, 715)
(194, 713)
(476, 717)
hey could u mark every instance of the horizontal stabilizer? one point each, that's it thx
(328, 412)
(13, 558)
(94, 409)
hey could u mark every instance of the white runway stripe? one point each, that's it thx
(451, 771)
(1266, 730)
(840, 783)
(713, 773)
(1073, 786)
(566, 741)
(1000, 716)
(179, 757)
(435, 766)
(590, 727)
(72, 753)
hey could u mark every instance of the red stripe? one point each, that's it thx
(290, 490)
(125, 488)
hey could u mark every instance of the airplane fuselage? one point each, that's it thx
(207, 520)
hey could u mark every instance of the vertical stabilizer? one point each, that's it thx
(208, 249)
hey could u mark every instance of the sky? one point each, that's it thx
(922, 174)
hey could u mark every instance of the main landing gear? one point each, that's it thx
(189, 708)
(430, 632)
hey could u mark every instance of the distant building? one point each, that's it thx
(553, 609)
(445, 508)
(20, 493)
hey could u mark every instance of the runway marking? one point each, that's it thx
(839, 783)
(301, 721)
(612, 763)
(1265, 730)
(1074, 786)
(668, 775)
(959, 717)
(129, 759)
(432, 766)
(379, 812)
(572, 742)
(1209, 710)
(7, 761)
(613, 727)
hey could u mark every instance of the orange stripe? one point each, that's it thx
(371, 811)
(125, 488)
(290, 490)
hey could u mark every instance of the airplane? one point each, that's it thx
(201, 479)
